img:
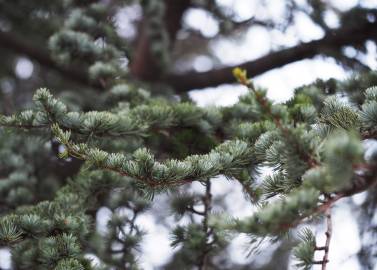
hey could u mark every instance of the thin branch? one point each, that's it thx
(318, 262)
(193, 210)
(207, 201)
(360, 183)
(328, 233)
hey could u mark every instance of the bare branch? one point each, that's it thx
(328, 233)
(333, 40)
(207, 200)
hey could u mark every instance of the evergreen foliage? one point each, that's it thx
(119, 151)
(312, 169)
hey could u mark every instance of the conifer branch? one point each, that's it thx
(340, 171)
(241, 76)
(154, 174)
(367, 181)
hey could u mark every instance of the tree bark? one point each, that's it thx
(143, 65)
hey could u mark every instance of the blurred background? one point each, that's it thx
(283, 44)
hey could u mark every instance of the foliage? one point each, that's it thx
(71, 153)
(307, 161)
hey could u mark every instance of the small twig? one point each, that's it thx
(319, 262)
(207, 199)
(132, 222)
(328, 233)
(193, 210)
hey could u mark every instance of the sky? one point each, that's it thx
(280, 83)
